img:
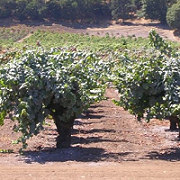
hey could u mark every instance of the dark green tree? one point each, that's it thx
(138, 3)
(155, 9)
(20, 11)
(52, 10)
(120, 9)
(6, 8)
(32, 9)
(173, 16)
(171, 2)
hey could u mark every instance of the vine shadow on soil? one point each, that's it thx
(81, 150)
(171, 154)
(78, 154)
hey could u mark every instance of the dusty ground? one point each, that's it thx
(93, 171)
(107, 143)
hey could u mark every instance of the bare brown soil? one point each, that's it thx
(93, 171)
(107, 143)
(138, 28)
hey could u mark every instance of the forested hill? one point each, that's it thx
(166, 11)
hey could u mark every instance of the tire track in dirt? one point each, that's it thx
(26, 37)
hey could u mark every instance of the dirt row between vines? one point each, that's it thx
(107, 143)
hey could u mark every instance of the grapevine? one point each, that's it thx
(35, 84)
(149, 85)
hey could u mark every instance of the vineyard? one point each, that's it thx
(55, 84)
(8, 36)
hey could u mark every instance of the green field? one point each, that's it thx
(10, 36)
(81, 41)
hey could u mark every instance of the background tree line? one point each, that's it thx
(166, 11)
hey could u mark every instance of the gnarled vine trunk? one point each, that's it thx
(174, 123)
(64, 130)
